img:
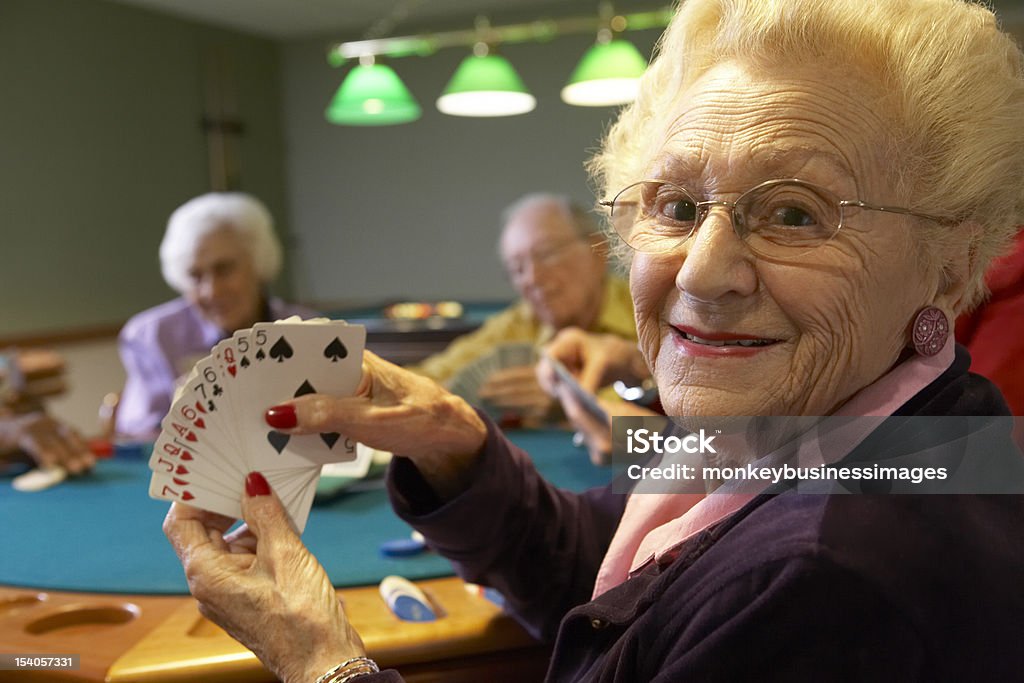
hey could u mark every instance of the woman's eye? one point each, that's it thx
(792, 216)
(682, 210)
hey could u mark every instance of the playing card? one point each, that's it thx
(193, 491)
(303, 358)
(201, 417)
(301, 502)
(468, 381)
(358, 467)
(226, 365)
(517, 355)
(167, 487)
(586, 399)
(214, 435)
(175, 457)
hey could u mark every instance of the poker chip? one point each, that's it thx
(39, 479)
(405, 600)
(403, 547)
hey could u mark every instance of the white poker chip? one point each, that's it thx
(39, 479)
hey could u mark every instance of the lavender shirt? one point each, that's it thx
(160, 345)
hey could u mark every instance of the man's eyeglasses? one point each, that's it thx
(545, 257)
(778, 219)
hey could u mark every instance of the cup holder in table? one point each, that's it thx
(88, 616)
(14, 603)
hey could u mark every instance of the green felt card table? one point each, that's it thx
(85, 570)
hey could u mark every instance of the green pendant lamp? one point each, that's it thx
(485, 85)
(609, 74)
(372, 95)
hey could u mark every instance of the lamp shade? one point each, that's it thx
(372, 95)
(608, 74)
(485, 85)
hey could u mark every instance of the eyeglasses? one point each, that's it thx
(779, 219)
(547, 257)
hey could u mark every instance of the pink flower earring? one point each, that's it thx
(930, 331)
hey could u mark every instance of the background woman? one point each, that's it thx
(220, 252)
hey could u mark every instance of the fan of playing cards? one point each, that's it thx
(215, 435)
(467, 382)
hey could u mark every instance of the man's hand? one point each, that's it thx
(517, 390)
(596, 360)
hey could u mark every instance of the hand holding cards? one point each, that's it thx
(470, 380)
(214, 434)
(585, 398)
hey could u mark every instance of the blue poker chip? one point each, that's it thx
(405, 600)
(402, 547)
(408, 608)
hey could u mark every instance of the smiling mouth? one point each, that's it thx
(724, 340)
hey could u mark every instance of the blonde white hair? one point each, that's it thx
(951, 83)
(243, 215)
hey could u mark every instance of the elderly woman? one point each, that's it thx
(814, 190)
(220, 252)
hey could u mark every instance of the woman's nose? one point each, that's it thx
(716, 262)
(207, 288)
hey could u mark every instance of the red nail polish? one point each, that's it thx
(281, 417)
(256, 485)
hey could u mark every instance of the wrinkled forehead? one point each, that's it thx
(536, 228)
(735, 127)
(220, 244)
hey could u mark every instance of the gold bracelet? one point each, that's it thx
(349, 669)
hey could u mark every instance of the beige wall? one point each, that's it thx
(100, 139)
(412, 211)
(93, 370)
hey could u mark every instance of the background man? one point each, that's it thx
(556, 259)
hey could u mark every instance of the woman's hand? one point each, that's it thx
(595, 359)
(263, 586)
(48, 442)
(398, 411)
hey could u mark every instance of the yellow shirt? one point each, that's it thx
(517, 324)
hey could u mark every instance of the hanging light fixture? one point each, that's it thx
(609, 72)
(372, 95)
(485, 84)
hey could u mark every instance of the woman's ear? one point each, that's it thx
(959, 267)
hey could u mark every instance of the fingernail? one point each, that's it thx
(256, 485)
(281, 417)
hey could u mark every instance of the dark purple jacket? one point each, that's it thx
(793, 587)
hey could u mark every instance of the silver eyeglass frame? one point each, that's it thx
(738, 226)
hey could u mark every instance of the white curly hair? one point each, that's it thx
(237, 212)
(949, 80)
